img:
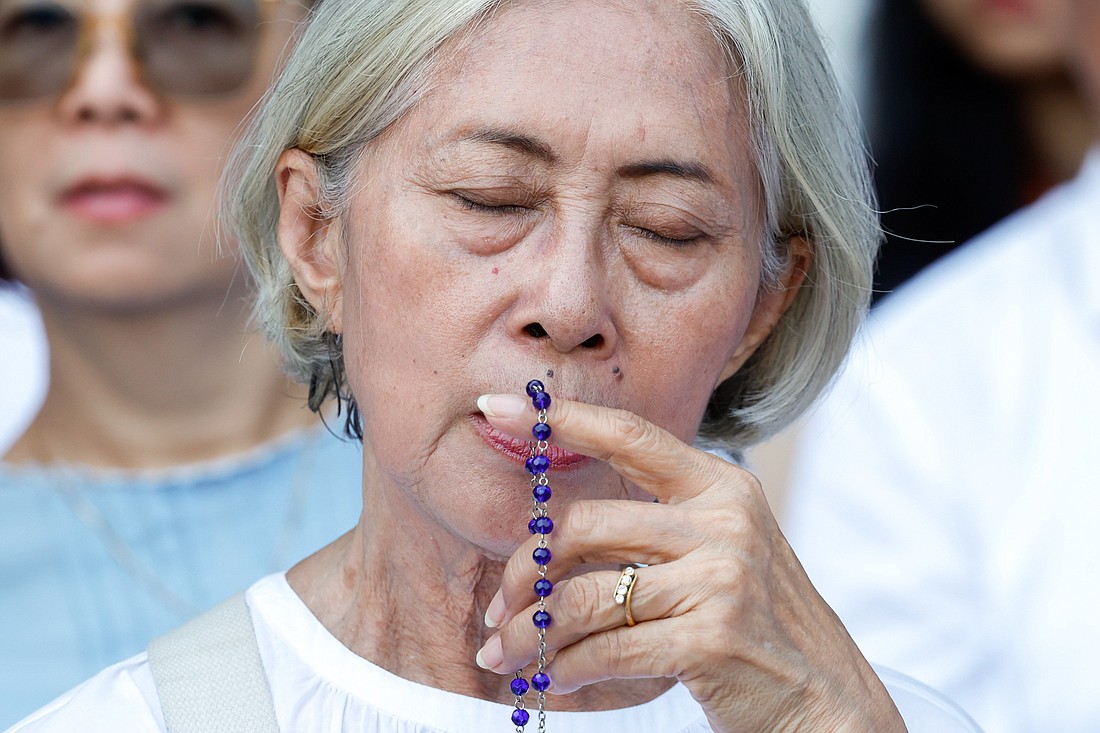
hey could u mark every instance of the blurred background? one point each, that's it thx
(970, 115)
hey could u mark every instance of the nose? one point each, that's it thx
(566, 303)
(107, 87)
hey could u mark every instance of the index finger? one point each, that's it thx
(643, 453)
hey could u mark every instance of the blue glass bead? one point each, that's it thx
(543, 525)
(520, 717)
(534, 387)
(531, 526)
(543, 587)
(519, 687)
(540, 681)
(541, 400)
(542, 619)
(541, 431)
(542, 493)
(538, 464)
(541, 555)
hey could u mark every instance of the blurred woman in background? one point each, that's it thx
(122, 504)
(972, 114)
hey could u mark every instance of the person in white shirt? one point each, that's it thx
(945, 499)
(663, 212)
(24, 365)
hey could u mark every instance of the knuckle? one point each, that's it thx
(727, 590)
(701, 646)
(611, 650)
(514, 573)
(577, 520)
(732, 522)
(580, 604)
(516, 580)
(516, 640)
(632, 433)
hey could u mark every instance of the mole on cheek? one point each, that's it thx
(617, 372)
(549, 373)
(496, 270)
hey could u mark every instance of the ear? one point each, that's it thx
(772, 304)
(309, 239)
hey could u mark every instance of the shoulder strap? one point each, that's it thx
(209, 675)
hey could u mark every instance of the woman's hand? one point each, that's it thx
(723, 606)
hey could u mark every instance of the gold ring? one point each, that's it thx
(625, 590)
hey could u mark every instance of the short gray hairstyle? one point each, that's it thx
(361, 64)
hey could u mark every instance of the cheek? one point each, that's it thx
(26, 207)
(426, 293)
(23, 163)
(688, 343)
(662, 266)
(410, 318)
(201, 141)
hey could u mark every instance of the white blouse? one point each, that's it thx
(319, 685)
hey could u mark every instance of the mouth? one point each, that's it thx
(520, 450)
(113, 200)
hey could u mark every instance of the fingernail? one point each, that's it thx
(494, 614)
(501, 405)
(491, 655)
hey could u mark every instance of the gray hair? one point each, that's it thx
(361, 64)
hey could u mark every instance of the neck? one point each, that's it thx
(157, 388)
(1058, 122)
(406, 594)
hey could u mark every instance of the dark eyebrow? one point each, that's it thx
(520, 143)
(688, 171)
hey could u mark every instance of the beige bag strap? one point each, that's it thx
(209, 674)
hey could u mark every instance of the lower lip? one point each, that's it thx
(115, 205)
(520, 450)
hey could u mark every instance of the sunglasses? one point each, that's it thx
(185, 48)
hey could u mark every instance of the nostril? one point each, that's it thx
(90, 113)
(593, 342)
(535, 330)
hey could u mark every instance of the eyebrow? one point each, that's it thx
(534, 148)
(687, 171)
(520, 143)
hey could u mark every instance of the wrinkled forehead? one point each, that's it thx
(648, 69)
(666, 36)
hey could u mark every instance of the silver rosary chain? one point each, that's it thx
(540, 524)
(540, 448)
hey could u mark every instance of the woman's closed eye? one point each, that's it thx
(488, 205)
(488, 220)
(672, 224)
(672, 239)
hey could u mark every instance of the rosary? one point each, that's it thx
(541, 524)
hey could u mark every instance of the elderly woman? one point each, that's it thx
(660, 211)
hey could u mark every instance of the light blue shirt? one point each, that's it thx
(96, 563)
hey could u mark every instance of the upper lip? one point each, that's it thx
(560, 458)
(519, 449)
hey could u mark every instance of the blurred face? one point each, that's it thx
(1084, 40)
(108, 167)
(1017, 39)
(575, 200)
